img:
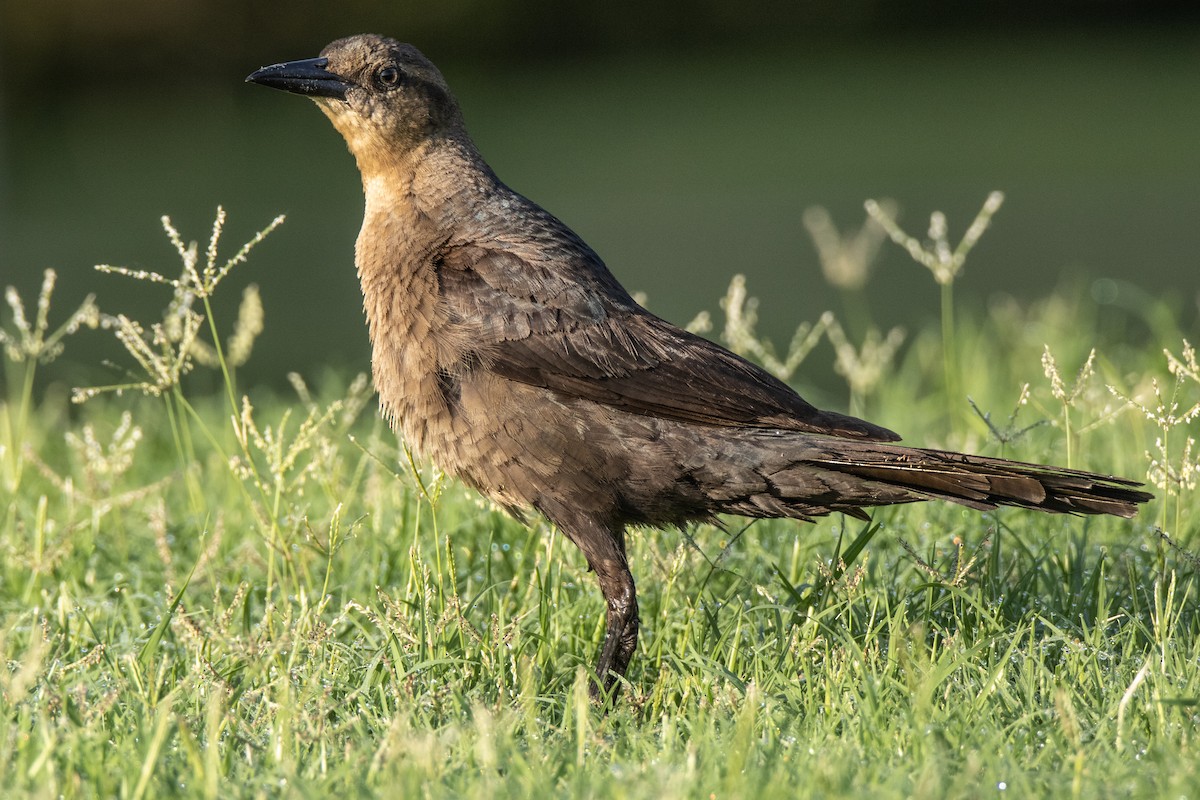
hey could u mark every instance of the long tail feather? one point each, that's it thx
(984, 483)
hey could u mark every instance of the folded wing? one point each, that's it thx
(568, 326)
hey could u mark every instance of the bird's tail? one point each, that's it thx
(858, 474)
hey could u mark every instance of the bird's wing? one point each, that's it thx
(577, 332)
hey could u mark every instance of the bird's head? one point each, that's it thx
(383, 96)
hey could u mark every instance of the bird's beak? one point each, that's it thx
(307, 77)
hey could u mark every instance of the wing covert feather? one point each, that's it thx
(581, 335)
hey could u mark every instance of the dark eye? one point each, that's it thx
(388, 76)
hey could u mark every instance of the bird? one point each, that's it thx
(506, 352)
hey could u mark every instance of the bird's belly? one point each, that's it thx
(511, 441)
(526, 446)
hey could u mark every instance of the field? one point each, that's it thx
(233, 592)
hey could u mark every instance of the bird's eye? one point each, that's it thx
(388, 76)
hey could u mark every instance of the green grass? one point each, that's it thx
(278, 602)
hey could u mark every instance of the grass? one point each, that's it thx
(205, 595)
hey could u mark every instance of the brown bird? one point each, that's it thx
(506, 352)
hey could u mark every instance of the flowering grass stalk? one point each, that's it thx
(945, 263)
(25, 346)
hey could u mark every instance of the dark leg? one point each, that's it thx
(605, 552)
(621, 636)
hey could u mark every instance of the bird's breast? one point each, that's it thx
(415, 347)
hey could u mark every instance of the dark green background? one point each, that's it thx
(683, 143)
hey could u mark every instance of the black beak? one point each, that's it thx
(308, 77)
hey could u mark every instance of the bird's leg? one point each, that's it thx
(604, 549)
(621, 635)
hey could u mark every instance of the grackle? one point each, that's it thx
(506, 352)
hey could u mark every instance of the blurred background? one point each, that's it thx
(683, 140)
